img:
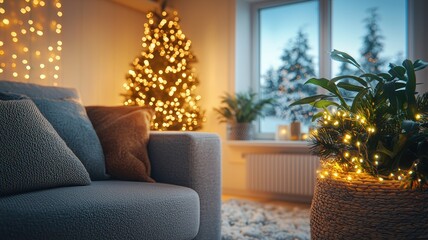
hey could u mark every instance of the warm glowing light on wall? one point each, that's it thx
(30, 40)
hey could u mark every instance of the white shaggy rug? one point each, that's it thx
(246, 220)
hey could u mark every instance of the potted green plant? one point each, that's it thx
(239, 111)
(373, 146)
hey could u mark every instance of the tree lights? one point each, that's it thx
(162, 77)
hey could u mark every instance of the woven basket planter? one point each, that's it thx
(365, 208)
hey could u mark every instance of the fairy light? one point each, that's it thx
(28, 26)
(355, 137)
(164, 66)
(418, 116)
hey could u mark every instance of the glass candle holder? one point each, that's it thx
(282, 133)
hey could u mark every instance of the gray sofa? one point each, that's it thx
(184, 203)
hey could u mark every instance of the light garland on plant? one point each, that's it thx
(381, 131)
(353, 132)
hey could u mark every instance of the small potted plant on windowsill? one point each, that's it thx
(373, 181)
(239, 111)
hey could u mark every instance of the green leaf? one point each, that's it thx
(316, 116)
(419, 65)
(344, 57)
(321, 82)
(372, 77)
(410, 89)
(350, 87)
(358, 79)
(409, 127)
(357, 99)
(385, 76)
(400, 82)
(382, 149)
(398, 72)
(390, 91)
(379, 88)
(324, 104)
(308, 100)
(329, 86)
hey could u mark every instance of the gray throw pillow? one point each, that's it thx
(69, 119)
(32, 155)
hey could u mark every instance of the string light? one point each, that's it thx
(26, 31)
(357, 131)
(162, 76)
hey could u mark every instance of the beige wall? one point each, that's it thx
(101, 38)
(210, 26)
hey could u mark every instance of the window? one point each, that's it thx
(378, 36)
(289, 46)
(292, 36)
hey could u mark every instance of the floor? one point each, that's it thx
(268, 201)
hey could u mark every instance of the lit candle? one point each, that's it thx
(304, 136)
(282, 133)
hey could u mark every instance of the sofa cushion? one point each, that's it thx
(61, 108)
(34, 90)
(124, 135)
(32, 155)
(104, 210)
(69, 119)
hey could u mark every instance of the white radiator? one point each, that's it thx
(291, 174)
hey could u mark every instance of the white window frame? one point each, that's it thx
(325, 44)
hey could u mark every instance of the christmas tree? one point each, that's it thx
(370, 53)
(162, 76)
(287, 85)
(372, 44)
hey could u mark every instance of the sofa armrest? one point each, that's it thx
(191, 159)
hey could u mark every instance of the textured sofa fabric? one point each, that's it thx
(184, 204)
(62, 109)
(102, 210)
(32, 155)
(193, 160)
(188, 159)
(69, 119)
(34, 90)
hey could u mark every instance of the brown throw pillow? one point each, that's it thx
(124, 134)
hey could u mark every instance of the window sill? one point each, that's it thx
(295, 145)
